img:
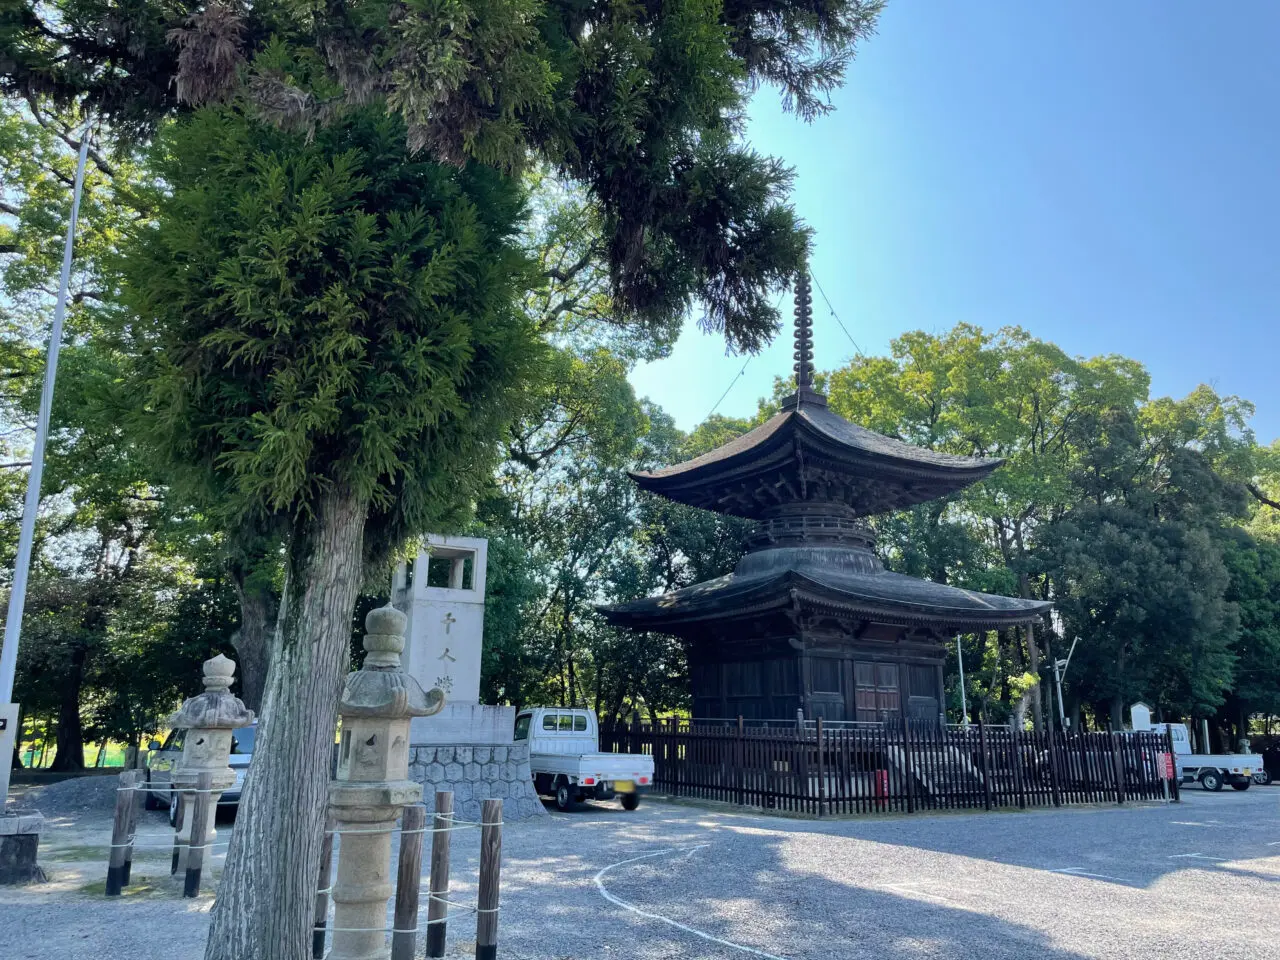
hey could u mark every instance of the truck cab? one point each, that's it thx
(566, 762)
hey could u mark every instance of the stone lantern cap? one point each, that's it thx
(381, 688)
(217, 708)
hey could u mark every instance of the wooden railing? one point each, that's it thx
(898, 766)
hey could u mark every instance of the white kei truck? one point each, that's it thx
(1212, 770)
(565, 758)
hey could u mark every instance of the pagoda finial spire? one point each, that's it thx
(804, 331)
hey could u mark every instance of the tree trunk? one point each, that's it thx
(267, 892)
(1033, 658)
(1117, 712)
(258, 611)
(70, 753)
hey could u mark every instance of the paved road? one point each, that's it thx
(672, 881)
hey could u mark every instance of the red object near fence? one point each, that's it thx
(1169, 773)
(882, 788)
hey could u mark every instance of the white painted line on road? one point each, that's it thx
(1081, 872)
(1196, 856)
(617, 901)
(908, 890)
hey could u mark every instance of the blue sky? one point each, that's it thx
(1103, 174)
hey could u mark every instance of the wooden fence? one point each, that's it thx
(900, 766)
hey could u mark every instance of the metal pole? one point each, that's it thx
(1057, 677)
(964, 703)
(18, 589)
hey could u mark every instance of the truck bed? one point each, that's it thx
(601, 766)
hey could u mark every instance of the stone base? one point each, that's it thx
(476, 772)
(477, 724)
(19, 845)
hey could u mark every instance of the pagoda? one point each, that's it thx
(810, 619)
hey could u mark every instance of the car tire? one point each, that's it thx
(173, 808)
(1263, 777)
(566, 800)
(1242, 784)
(149, 801)
(630, 801)
(1211, 780)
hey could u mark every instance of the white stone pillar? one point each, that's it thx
(208, 719)
(372, 785)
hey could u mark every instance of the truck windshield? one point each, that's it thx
(522, 727)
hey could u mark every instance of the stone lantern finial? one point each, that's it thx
(381, 688)
(384, 638)
(219, 672)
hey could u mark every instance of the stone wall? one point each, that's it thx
(474, 773)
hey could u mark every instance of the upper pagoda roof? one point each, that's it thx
(809, 453)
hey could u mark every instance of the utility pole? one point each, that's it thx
(964, 703)
(18, 593)
(1059, 670)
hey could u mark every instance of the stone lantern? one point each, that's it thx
(372, 784)
(208, 719)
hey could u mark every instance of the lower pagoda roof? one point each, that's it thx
(860, 591)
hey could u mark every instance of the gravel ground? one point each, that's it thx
(678, 881)
(74, 799)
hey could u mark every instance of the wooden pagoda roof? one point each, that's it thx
(809, 453)
(875, 596)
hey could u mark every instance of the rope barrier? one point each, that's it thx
(168, 845)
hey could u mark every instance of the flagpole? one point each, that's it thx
(22, 566)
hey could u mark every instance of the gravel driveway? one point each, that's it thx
(675, 881)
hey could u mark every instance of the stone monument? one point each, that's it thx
(19, 829)
(467, 747)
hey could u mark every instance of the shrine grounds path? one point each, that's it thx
(1197, 879)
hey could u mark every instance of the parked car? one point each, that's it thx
(565, 757)
(162, 760)
(1212, 770)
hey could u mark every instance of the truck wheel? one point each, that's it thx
(630, 801)
(1241, 784)
(1211, 780)
(565, 798)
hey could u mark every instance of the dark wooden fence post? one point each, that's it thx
(490, 879)
(404, 936)
(121, 842)
(822, 771)
(179, 820)
(323, 881)
(1175, 785)
(1015, 749)
(908, 776)
(986, 763)
(1117, 764)
(1052, 755)
(199, 834)
(438, 887)
(135, 803)
(635, 732)
(741, 763)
